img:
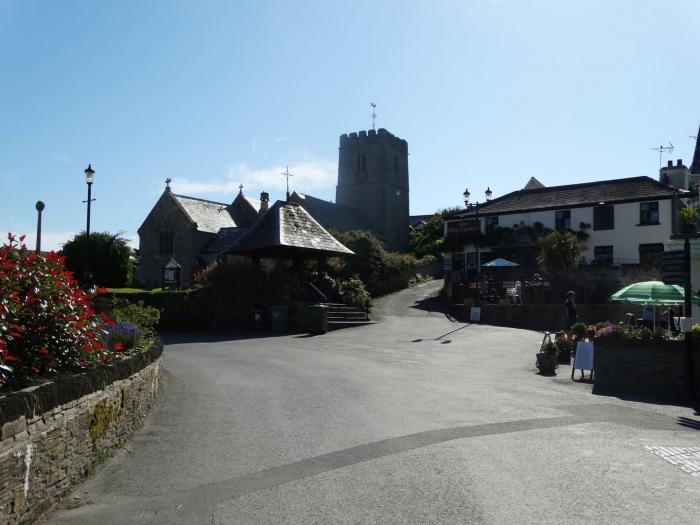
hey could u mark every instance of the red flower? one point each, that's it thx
(104, 357)
(101, 290)
(43, 351)
(118, 347)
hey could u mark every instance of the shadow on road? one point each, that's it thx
(438, 338)
(174, 338)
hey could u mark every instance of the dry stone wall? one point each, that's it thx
(53, 435)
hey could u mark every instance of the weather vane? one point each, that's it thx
(374, 113)
(287, 175)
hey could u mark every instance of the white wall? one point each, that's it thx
(625, 238)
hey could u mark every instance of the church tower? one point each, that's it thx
(373, 178)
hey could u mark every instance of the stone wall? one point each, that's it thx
(552, 317)
(53, 435)
(643, 369)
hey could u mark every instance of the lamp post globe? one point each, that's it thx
(465, 195)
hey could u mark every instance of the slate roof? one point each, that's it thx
(224, 239)
(695, 166)
(415, 220)
(285, 229)
(332, 215)
(576, 196)
(210, 216)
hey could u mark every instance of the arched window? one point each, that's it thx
(165, 245)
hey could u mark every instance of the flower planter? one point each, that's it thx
(547, 363)
(564, 356)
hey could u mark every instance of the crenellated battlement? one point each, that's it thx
(373, 137)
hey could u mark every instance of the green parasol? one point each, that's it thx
(654, 293)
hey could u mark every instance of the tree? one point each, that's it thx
(561, 252)
(429, 240)
(111, 258)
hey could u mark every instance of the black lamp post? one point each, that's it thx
(466, 195)
(39, 208)
(89, 177)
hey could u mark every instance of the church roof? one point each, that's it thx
(224, 239)
(695, 166)
(330, 214)
(285, 229)
(210, 216)
(632, 189)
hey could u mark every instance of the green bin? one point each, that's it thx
(280, 318)
(319, 318)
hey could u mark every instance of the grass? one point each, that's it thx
(133, 290)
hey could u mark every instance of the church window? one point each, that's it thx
(166, 242)
(361, 161)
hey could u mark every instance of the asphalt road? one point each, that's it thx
(416, 419)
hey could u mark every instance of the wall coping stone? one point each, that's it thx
(44, 398)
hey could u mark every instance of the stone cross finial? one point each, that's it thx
(240, 189)
(167, 183)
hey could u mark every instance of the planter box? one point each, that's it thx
(647, 369)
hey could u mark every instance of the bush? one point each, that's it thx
(111, 258)
(47, 323)
(382, 272)
(145, 318)
(353, 292)
(122, 337)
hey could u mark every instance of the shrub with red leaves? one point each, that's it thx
(47, 323)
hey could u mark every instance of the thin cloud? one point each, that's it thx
(306, 177)
(60, 158)
(282, 139)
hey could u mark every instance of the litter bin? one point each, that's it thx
(319, 318)
(279, 315)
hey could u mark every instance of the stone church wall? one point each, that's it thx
(373, 178)
(187, 243)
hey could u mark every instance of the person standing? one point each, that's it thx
(571, 310)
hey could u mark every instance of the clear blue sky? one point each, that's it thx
(215, 94)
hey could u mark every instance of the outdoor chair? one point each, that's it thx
(514, 294)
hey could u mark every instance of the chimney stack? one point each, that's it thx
(670, 164)
(679, 162)
(264, 201)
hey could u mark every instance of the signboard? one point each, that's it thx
(673, 267)
(475, 314)
(461, 232)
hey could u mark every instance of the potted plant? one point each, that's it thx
(687, 220)
(548, 356)
(564, 347)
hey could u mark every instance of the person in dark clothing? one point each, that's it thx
(571, 309)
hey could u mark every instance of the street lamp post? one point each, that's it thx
(466, 195)
(39, 208)
(89, 177)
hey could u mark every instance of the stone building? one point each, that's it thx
(192, 231)
(371, 195)
(373, 179)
